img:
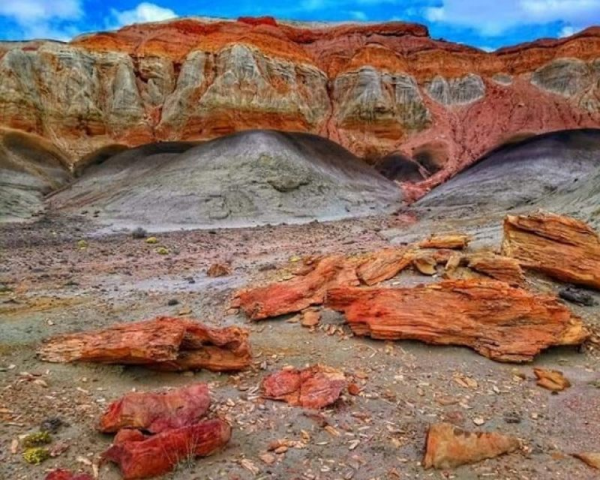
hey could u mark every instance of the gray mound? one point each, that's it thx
(29, 169)
(530, 172)
(245, 179)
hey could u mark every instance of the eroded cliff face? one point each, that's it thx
(376, 89)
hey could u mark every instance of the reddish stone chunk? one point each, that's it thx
(159, 454)
(156, 412)
(314, 387)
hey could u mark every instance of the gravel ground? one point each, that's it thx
(53, 285)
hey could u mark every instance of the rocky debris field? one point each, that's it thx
(312, 397)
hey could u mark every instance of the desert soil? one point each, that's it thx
(52, 285)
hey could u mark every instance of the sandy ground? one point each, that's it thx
(53, 286)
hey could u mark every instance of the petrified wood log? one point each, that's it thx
(449, 446)
(156, 412)
(298, 293)
(163, 343)
(450, 241)
(313, 387)
(561, 247)
(496, 320)
(160, 453)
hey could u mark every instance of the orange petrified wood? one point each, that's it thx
(313, 387)
(163, 343)
(157, 412)
(451, 241)
(496, 320)
(449, 446)
(383, 265)
(561, 247)
(298, 293)
(159, 454)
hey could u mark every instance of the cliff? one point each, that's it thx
(376, 89)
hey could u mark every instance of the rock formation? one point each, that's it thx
(498, 321)
(561, 247)
(163, 343)
(156, 412)
(375, 88)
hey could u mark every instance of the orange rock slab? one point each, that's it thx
(160, 454)
(298, 293)
(383, 265)
(496, 320)
(450, 447)
(501, 268)
(163, 343)
(561, 247)
(314, 387)
(157, 412)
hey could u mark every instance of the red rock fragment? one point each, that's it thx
(449, 446)
(159, 454)
(561, 247)
(218, 270)
(496, 320)
(501, 268)
(67, 475)
(298, 293)
(310, 318)
(449, 241)
(163, 343)
(383, 265)
(314, 387)
(551, 379)
(590, 459)
(156, 412)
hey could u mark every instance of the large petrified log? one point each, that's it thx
(561, 247)
(314, 387)
(496, 320)
(156, 412)
(163, 343)
(449, 446)
(160, 453)
(298, 293)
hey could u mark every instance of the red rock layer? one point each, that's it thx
(374, 88)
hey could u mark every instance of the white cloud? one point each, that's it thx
(358, 15)
(495, 18)
(143, 13)
(43, 18)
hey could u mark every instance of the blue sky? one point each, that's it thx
(486, 24)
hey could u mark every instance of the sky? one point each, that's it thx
(487, 24)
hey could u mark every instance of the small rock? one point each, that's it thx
(52, 425)
(172, 302)
(577, 296)
(551, 379)
(139, 233)
(218, 270)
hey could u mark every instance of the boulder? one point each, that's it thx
(496, 320)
